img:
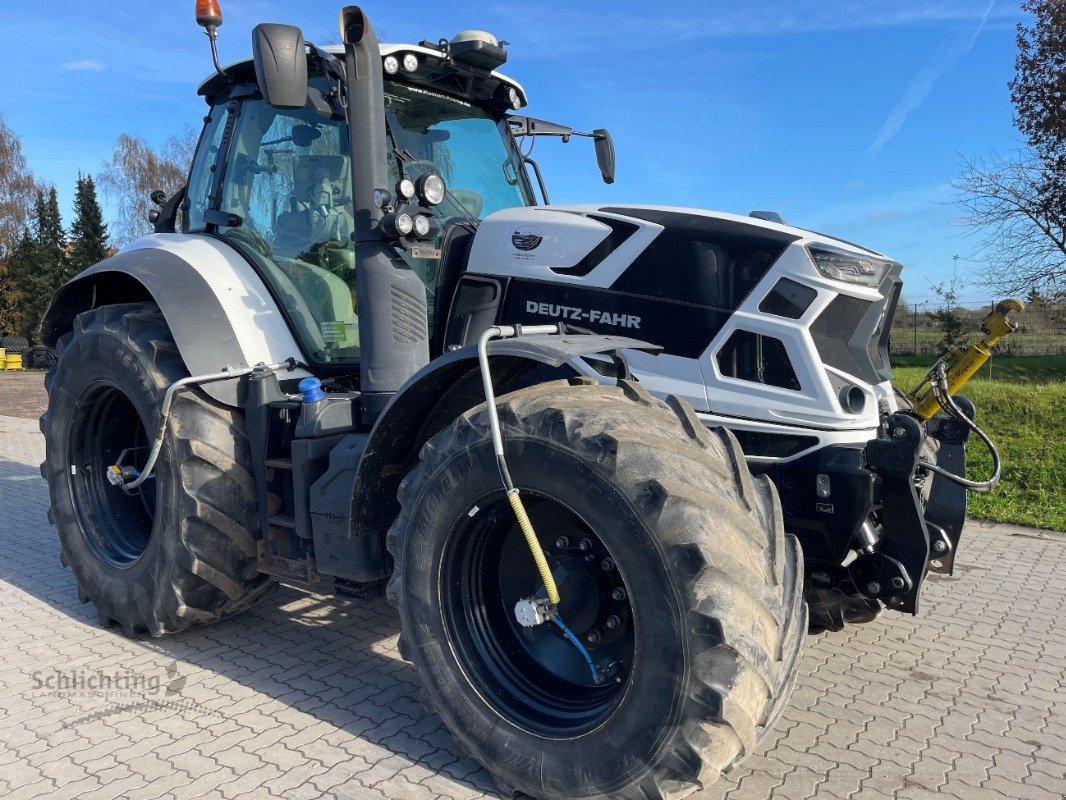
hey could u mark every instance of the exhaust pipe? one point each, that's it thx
(393, 312)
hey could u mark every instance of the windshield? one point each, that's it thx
(462, 143)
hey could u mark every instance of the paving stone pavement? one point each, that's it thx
(306, 697)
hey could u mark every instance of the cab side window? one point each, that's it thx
(198, 196)
(287, 188)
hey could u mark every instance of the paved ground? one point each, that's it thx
(306, 697)
(22, 393)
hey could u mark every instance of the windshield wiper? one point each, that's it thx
(407, 157)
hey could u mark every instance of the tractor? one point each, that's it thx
(609, 463)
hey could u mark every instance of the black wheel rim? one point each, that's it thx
(534, 676)
(106, 428)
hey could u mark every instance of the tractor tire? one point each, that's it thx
(181, 551)
(674, 571)
(19, 345)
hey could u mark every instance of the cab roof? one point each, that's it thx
(244, 70)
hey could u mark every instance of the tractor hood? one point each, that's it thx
(738, 303)
(604, 245)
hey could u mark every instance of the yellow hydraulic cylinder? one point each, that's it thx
(963, 362)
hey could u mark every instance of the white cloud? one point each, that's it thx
(922, 84)
(86, 65)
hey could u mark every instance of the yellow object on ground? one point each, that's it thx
(963, 362)
(13, 361)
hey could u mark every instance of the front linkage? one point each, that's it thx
(922, 535)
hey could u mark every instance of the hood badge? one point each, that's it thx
(527, 237)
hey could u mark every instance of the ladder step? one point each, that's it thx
(279, 463)
(282, 520)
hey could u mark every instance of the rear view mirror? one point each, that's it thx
(280, 64)
(604, 153)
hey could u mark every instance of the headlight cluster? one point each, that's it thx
(406, 220)
(841, 265)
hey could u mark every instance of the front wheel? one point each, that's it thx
(674, 571)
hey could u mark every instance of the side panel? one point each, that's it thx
(218, 309)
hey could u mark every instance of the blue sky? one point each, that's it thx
(845, 117)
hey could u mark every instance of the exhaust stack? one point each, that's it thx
(393, 312)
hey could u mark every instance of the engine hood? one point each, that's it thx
(596, 243)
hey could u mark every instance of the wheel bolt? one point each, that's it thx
(898, 583)
(562, 543)
(874, 587)
(607, 565)
(613, 621)
(592, 637)
(618, 594)
(940, 545)
(899, 433)
(584, 545)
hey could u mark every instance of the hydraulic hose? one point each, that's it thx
(534, 546)
(939, 382)
(164, 415)
(501, 460)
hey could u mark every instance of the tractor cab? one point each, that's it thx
(276, 182)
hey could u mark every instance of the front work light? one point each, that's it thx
(431, 189)
(391, 65)
(422, 225)
(410, 62)
(841, 265)
(404, 224)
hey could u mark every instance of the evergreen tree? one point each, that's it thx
(50, 268)
(17, 286)
(88, 232)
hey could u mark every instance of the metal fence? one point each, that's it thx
(1041, 329)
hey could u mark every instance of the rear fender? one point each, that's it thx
(218, 309)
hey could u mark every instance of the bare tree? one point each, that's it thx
(17, 190)
(135, 170)
(1015, 206)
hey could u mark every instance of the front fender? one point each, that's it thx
(439, 393)
(218, 309)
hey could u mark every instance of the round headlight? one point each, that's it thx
(410, 62)
(421, 225)
(391, 65)
(406, 188)
(431, 188)
(382, 198)
(512, 95)
(404, 224)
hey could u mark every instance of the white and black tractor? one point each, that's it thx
(598, 456)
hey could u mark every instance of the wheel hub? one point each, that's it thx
(536, 673)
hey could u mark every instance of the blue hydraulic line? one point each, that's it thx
(580, 647)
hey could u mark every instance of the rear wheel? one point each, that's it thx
(180, 550)
(674, 572)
